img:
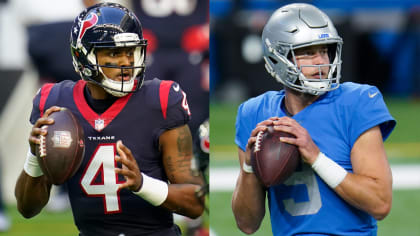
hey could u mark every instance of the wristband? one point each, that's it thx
(31, 166)
(247, 168)
(332, 173)
(153, 190)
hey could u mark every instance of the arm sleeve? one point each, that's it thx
(174, 106)
(368, 111)
(36, 113)
(244, 125)
(39, 102)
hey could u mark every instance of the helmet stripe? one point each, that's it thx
(164, 90)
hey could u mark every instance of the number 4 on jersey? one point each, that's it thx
(185, 103)
(102, 164)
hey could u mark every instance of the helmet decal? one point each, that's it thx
(205, 144)
(91, 21)
(323, 36)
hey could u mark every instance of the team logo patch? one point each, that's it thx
(81, 143)
(372, 95)
(62, 139)
(205, 144)
(91, 21)
(324, 36)
(99, 124)
(176, 87)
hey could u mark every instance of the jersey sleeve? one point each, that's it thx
(253, 111)
(368, 111)
(39, 102)
(245, 123)
(174, 105)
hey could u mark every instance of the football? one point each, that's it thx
(61, 151)
(273, 161)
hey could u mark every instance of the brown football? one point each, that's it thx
(273, 161)
(61, 151)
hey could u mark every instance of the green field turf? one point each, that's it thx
(403, 147)
(44, 224)
(51, 224)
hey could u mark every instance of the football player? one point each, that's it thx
(344, 183)
(138, 147)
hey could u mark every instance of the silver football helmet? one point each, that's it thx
(297, 26)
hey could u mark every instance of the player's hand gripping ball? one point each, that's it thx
(273, 161)
(61, 151)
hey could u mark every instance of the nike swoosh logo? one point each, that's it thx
(372, 95)
(176, 87)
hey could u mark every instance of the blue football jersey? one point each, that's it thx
(137, 119)
(304, 204)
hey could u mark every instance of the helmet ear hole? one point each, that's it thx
(332, 49)
(274, 61)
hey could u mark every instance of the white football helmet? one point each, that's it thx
(297, 26)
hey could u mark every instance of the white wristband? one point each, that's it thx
(31, 166)
(153, 190)
(332, 173)
(247, 168)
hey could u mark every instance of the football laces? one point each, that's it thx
(43, 143)
(257, 147)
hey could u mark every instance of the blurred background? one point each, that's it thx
(35, 49)
(381, 37)
(381, 48)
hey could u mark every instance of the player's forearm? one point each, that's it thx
(248, 203)
(366, 193)
(32, 194)
(182, 199)
(369, 187)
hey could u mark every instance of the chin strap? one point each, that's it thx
(117, 88)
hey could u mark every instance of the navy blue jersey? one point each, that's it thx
(305, 204)
(137, 119)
